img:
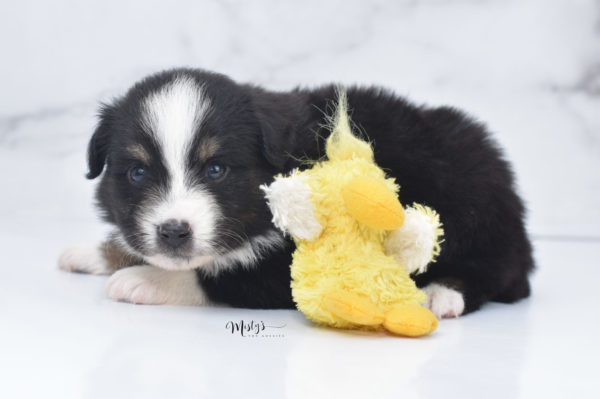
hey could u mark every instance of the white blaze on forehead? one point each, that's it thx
(173, 115)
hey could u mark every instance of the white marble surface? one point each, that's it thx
(530, 69)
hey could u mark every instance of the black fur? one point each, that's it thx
(439, 156)
(264, 287)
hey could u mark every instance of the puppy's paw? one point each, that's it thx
(150, 285)
(84, 259)
(444, 302)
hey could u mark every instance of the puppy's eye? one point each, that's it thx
(137, 174)
(215, 171)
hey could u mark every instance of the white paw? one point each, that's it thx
(84, 259)
(151, 285)
(444, 302)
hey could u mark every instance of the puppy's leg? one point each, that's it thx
(454, 289)
(151, 285)
(103, 258)
(518, 289)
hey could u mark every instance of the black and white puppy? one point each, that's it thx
(185, 151)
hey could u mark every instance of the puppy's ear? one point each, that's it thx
(100, 141)
(278, 115)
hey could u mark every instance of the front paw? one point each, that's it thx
(150, 285)
(84, 259)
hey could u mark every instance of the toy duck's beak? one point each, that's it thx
(370, 202)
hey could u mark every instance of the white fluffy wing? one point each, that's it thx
(416, 243)
(289, 199)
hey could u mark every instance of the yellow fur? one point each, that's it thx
(345, 270)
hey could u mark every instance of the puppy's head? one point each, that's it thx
(185, 153)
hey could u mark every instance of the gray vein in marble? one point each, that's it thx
(50, 133)
(590, 137)
(590, 81)
(10, 123)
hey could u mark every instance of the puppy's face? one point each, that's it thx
(184, 155)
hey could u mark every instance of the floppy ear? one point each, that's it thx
(277, 115)
(98, 145)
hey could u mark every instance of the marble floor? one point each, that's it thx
(530, 69)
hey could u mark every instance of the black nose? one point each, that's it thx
(174, 233)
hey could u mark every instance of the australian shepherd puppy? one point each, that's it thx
(182, 155)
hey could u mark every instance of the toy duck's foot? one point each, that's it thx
(410, 320)
(352, 308)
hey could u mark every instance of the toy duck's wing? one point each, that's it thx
(370, 202)
(289, 199)
(417, 242)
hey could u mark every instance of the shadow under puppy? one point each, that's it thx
(182, 156)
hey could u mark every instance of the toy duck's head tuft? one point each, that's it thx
(342, 144)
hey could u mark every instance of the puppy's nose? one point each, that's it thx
(174, 232)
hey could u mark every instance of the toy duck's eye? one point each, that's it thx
(137, 174)
(216, 171)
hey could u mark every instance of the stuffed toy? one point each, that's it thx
(355, 244)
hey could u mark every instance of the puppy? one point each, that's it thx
(185, 151)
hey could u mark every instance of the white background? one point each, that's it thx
(529, 69)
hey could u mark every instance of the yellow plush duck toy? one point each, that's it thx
(355, 244)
